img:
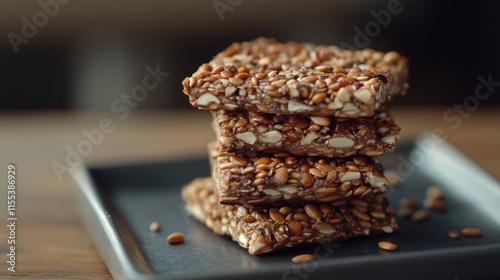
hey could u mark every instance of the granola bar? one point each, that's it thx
(259, 178)
(306, 135)
(263, 230)
(291, 78)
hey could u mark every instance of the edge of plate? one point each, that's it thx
(102, 229)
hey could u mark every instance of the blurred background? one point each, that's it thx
(68, 55)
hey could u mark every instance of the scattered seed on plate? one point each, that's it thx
(304, 258)
(405, 211)
(434, 192)
(154, 226)
(420, 215)
(175, 238)
(407, 202)
(387, 245)
(437, 205)
(471, 232)
(454, 234)
(435, 199)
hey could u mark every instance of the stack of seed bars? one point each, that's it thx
(299, 127)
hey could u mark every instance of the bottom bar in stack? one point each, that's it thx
(266, 229)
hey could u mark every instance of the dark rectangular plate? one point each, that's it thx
(118, 204)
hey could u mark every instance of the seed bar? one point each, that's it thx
(306, 135)
(264, 230)
(291, 78)
(259, 178)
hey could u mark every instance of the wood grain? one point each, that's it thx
(53, 243)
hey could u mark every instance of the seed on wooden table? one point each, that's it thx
(175, 238)
(471, 232)
(154, 227)
(388, 246)
(420, 215)
(454, 234)
(303, 258)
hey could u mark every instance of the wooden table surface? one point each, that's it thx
(52, 242)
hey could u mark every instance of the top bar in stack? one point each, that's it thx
(291, 78)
